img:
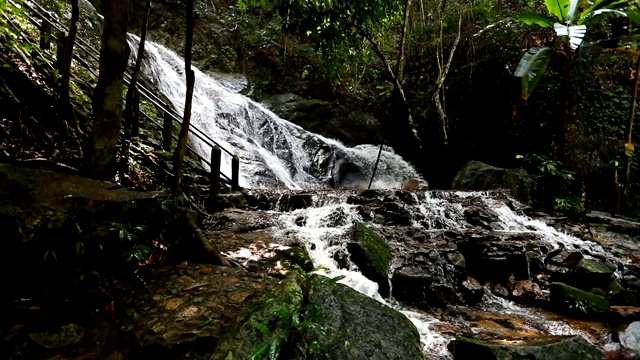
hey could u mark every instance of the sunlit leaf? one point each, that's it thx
(575, 33)
(628, 149)
(598, 5)
(531, 68)
(532, 18)
(559, 8)
(261, 350)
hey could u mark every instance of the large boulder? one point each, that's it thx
(371, 253)
(261, 323)
(325, 118)
(476, 175)
(577, 302)
(355, 326)
(542, 348)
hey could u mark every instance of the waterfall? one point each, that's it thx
(276, 154)
(273, 152)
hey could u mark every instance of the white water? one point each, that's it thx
(277, 154)
(273, 153)
(323, 233)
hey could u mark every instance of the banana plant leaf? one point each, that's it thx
(531, 18)
(598, 5)
(564, 10)
(531, 68)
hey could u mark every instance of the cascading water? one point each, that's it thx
(273, 153)
(276, 154)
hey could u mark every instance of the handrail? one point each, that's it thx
(145, 92)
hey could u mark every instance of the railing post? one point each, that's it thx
(166, 132)
(45, 34)
(214, 175)
(235, 173)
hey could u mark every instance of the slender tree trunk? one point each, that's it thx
(566, 103)
(132, 100)
(67, 58)
(443, 71)
(107, 96)
(629, 146)
(178, 156)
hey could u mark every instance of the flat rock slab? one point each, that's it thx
(546, 347)
(192, 304)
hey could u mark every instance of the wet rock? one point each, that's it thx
(243, 336)
(619, 315)
(577, 302)
(565, 258)
(59, 337)
(590, 273)
(630, 337)
(476, 175)
(621, 354)
(472, 291)
(358, 327)
(371, 253)
(191, 305)
(296, 256)
(456, 258)
(290, 202)
(225, 201)
(499, 290)
(394, 213)
(546, 347)
(491, 258)
(528, 290)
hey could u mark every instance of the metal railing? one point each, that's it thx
(44, 22)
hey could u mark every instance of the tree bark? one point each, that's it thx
(107, 100)
(132, 101)
(443, 71)
(629, 137)
(178, 156)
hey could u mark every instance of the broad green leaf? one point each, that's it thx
(531, 68)
(601, 11)
(634, 15)
(531, 18)
(600, 4)
(559, 8)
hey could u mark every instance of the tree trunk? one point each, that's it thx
(107, 96)
(132, 101)
(65, 62)
(629, 146)
(443, 71)
(178, 156)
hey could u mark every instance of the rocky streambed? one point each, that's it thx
(432, 274)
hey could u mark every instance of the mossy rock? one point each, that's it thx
(371, 253)
(577, 302)
(542, 348)
(244, 337)
(357, 327)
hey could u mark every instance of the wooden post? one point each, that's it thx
(214, 175)
(235, 173)
(45, 35)
(166, 132)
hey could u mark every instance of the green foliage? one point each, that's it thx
(531, 68)
(285, 331)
